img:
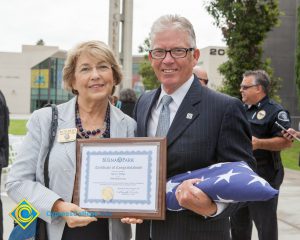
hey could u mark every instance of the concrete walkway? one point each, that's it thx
(288, 209)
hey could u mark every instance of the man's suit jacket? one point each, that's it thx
(26, 179)
(209, 127)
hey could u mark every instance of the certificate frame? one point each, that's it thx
(111, 208)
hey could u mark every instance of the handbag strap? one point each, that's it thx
(53, 129)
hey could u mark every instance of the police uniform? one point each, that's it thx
(262, 118)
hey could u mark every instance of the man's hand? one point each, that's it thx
(192, 198)
(66, 209)
(255, 143)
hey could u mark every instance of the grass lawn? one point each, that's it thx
(290, 156)
(17, 127)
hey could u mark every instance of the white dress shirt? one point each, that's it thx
(177, 97)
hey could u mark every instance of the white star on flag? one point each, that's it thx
(226, 176)
(217, 165)
(258, 179)
(245, 166)
(224, 200)
(170, 186)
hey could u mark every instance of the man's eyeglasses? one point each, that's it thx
(203, 80)
(245, 87)
(175, 52)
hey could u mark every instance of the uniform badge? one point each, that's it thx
(261, 114)
(67, 135)
(282, 115)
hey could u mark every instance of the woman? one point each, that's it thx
(91, 73)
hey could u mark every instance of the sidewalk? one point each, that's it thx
(288, 208)
(19, 116)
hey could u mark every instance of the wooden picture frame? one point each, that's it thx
(121, 177)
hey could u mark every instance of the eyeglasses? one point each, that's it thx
(175, 52)
(101, 68)
(245, 87)
(204, 80)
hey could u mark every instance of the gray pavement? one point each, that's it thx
(288, 208)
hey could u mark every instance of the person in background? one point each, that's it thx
(127, 99)
(4, 147)
(201, 75)
(267, 142)
(90, 72)
(197, 136)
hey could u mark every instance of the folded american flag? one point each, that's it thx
(226, 182)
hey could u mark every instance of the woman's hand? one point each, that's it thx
(131, 220)
(72, 214)
(192, 198)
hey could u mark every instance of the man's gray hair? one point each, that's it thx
(261, 78)
(174, 22)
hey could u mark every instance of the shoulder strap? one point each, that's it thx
(53, 129)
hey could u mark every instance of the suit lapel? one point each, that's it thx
(117, 129)
(187, 112)
(66, 119)
(146, 111)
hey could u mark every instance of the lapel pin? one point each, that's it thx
(189, 116)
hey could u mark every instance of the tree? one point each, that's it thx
(244, 24)
(145, 70)
(40, 42)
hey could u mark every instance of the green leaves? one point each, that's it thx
(145, 70)
(244, 24)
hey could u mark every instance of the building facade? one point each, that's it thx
(32, 78)
(210, 59)
(280, 46)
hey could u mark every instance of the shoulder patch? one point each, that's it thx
(282, 115)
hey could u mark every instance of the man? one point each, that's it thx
(201, 75)
(4, 146)
(198, 136)
(267, 141)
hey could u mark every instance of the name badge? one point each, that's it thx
(67, 135)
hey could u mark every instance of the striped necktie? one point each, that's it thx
(164, 117)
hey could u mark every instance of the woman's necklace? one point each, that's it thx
(103, 132)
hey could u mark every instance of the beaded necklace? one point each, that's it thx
(103, 132)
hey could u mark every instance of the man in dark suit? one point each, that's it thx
(4, 122)
(206, 127)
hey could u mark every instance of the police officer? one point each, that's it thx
(4, 146)
(267, 142)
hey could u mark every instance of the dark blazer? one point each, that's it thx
(217, 132)
(4, 123)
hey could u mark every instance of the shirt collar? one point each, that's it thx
(262, 102)
(179, 94)
(259, 104)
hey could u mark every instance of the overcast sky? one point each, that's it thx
(64, 23)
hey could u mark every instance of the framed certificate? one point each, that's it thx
(121, 177)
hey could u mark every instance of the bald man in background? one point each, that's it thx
(201, 75)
